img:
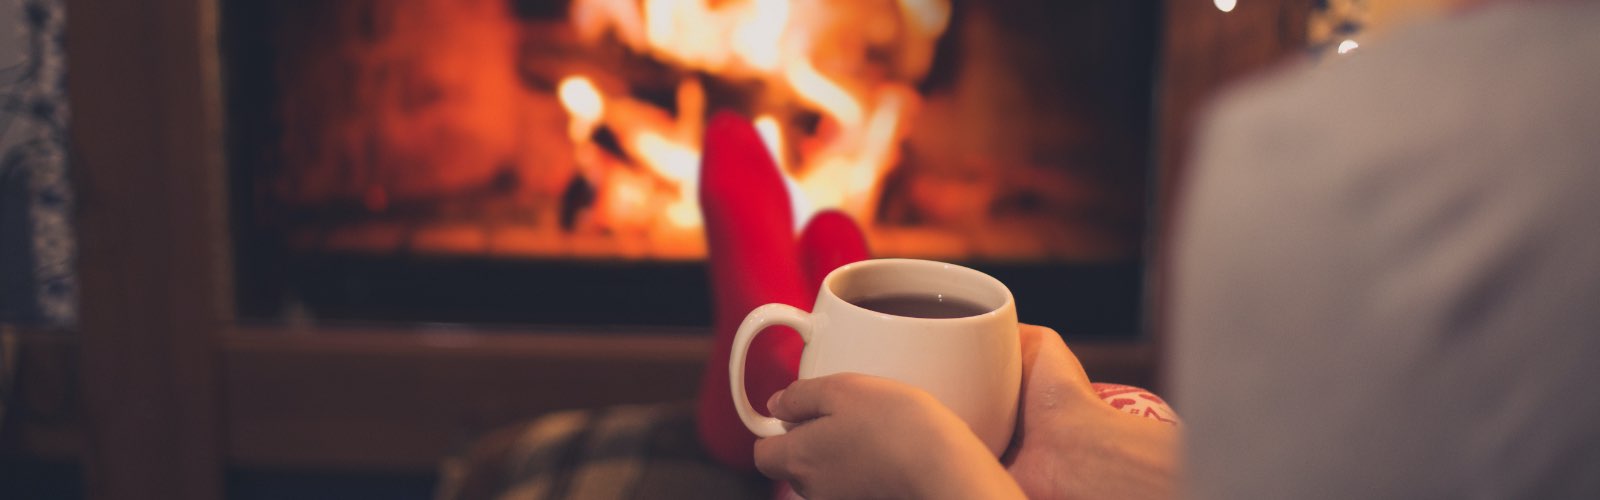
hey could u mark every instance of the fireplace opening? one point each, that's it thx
(536, 161)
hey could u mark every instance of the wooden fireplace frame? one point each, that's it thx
(160, 390)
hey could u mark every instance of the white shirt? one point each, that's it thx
(1387, 270)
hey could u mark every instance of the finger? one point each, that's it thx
(808, 399)
(772, 457)
(803, 400)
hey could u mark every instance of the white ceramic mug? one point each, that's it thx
(971, 364)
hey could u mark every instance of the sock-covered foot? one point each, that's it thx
(752, 261)
(831, 239)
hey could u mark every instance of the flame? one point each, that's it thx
(680, 163)
(758, 38)
(771, 133)
(842, 178)
(672, 150)
(772, 136)
(810, 54)
(929, 17)
(816, 89)
(581, 100)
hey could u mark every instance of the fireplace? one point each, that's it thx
(536, 161)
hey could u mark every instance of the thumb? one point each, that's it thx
(1051, 373)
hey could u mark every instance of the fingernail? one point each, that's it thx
(772, 402)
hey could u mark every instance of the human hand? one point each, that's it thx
(1070, 444)
(863, 436)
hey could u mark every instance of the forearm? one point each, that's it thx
(971, 474)
(1129, 458)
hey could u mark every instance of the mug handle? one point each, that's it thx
(760, 319)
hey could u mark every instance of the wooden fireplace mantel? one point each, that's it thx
(159, 390)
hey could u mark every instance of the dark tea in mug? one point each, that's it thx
(922, 306)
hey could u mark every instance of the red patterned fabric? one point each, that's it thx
(1136, 401)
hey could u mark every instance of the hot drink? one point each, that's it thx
(922, 306)
(905, 325)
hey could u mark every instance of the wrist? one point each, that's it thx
(1137, 455)
(966, 470)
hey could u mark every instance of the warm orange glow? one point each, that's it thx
(581, 100)
(668, 147)
(758, 40)
(680, 163)
(771, 135)
(823, 93)
(743, 35)
(781, 46)
(930, 17)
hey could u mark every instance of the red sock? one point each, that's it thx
(831, 239)
(753, 261)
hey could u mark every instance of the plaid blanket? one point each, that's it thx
(639, 451)
(643, 451)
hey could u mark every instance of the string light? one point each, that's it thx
(1333, 26)
(1225, 5)
(1348, 45)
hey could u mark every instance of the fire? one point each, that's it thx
(819, 91)
(667, 146)
(757, 40)
(803, 55)
(582, 100)
(772, 136)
